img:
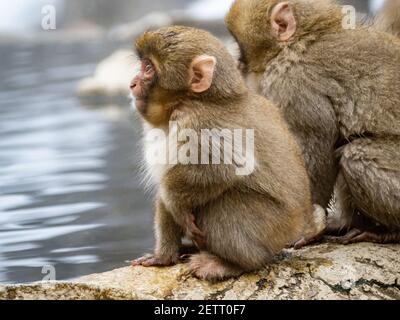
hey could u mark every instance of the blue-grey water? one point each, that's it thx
(69, 185)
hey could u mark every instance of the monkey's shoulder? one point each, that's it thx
(364, 48)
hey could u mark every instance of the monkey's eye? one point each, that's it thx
(148, 67)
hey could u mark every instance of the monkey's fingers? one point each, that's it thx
(198, 237)
(138, 262)
(200, 243)
(155, 262)
(151, 261)
(195, 231)
(195, 234)
(193, 228)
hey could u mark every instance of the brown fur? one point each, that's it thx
(388, 20)
(246, 219)
(336, 87)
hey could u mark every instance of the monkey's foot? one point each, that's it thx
(206, 266)
(357, 236)
(315, 230)
(152, 261)
(304, 242)
(195, 234)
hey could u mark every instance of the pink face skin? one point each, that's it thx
(142, 83)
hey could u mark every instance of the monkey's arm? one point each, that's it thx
(168, 239)
(168, 234)
(188, 187)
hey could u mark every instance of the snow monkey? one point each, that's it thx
(338, 89)
(237, 221)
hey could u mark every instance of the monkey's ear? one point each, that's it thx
(283, 21)
(201, 73)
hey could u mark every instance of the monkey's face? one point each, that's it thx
(142, 84)
(150, 99)
(180, 65)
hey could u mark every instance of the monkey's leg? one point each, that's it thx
(207, 266)
(356, 236)
(343, 212)
(168, 240)
(243, 233)
(314, 230)
(370, 211)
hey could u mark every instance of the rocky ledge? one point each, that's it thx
(363, 271)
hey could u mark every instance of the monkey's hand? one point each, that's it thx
(154, 261)
(194, 233)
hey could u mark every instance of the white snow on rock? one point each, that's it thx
(209, 9)
(112, 76)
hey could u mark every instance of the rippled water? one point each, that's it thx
(69, 188)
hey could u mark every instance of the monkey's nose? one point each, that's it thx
(133, 85)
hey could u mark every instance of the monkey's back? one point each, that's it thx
(249, 218)
(277, 153)
(361, 69)
(273, 204)
(279, 165)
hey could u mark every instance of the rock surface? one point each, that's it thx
(363, 271)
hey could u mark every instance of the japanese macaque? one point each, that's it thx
(388, 19)
(238, 220)
(339, 91)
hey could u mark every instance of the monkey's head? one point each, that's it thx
(180, 63)
(263, 28)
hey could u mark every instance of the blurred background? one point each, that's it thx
(70, 192)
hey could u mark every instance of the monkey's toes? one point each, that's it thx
(206, 266)
(138, 262)
(304, 242)
(155, 262)
(152, 261)
(346, 239)
(357, 236)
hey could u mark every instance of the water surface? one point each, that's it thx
(69, 183)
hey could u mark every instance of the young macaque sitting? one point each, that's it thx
(198, 113)
(338, 89)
